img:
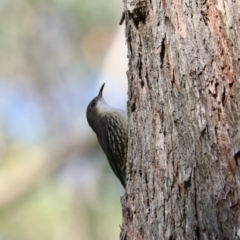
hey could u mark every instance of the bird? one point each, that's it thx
(111, 128)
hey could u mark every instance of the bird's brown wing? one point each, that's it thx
(114, 145)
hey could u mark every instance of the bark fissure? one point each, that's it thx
(162, 53)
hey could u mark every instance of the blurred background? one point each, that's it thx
(55, 182)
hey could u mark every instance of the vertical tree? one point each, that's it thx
(183, 178)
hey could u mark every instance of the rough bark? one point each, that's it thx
(183, 178)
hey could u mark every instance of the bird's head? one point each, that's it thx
(96, 108)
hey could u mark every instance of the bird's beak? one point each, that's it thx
(100, 92)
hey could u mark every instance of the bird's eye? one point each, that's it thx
(93, 103)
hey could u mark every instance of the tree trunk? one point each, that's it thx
(183, 179)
